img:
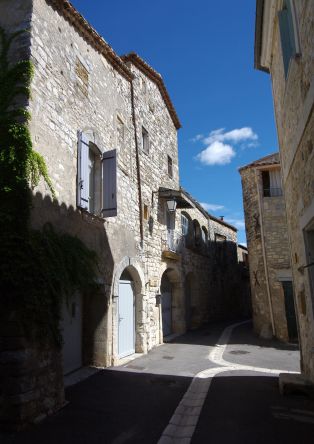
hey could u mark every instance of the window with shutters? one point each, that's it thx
(288, 33)
(96, 178)
(145, 140)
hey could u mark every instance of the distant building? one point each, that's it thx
(268, 247)
(284, 48)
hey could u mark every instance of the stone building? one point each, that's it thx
(268, 247)
(108, 132)
(284, 48)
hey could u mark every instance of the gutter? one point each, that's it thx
(138, 170)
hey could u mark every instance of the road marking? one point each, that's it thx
(183, 422)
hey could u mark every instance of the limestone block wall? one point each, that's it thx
(293, 103)
(277, 254)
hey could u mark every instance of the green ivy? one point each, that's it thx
(38, 268)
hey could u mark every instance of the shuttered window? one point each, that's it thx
(97, 178)
(83, 171)
(109, 175)
(287, 34)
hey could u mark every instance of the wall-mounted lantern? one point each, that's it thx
(172, 205)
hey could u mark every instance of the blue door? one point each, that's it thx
(126, 334)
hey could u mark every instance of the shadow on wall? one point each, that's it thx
(91, 231)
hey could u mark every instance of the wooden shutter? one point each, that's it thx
(109, 180)
(83, 171)
(285, 25)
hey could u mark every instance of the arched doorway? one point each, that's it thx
(166, 304)
(126, 315)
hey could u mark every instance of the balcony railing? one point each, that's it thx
(174, 241)
(272, 192)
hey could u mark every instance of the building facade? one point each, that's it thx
(268, 248)
(107, 130)
(284, 48)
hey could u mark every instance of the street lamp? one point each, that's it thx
(171, 205)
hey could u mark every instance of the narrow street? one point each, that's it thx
(215, 385)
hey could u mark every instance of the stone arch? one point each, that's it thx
(177, 301)
(197, 233)
(133, 269)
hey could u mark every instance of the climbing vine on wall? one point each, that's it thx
(38, 268)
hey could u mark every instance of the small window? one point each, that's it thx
(170, 171)
(184, 225)
(145, 141)
(271, 183)
(288, 34)
(120, 133)
(82, 77)
(145, 212)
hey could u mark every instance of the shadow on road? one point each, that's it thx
(249, 409)
(110, 407)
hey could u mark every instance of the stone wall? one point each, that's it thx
(266, 229)
(293, 101)
(76, 88)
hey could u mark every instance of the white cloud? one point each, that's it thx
(235, 136)
(216, 153)
(197, 138)
(238, 223)
(211, 207)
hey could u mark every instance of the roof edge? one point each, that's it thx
(81, 25)
(255, 163)
(134, 58)
(205, 213)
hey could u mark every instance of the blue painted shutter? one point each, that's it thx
(83, 171)
(287, 37)
(109, 179)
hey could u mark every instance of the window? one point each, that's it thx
(82, 76)
(288, 34)
(145, 212)
(271, 183)
(96, 178)
(184, 225)
(145, 141)
(170, 172)
(120, 133)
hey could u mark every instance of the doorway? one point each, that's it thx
(126, 316)
(290, 311)
(166, 305)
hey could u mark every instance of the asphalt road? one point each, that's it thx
(135, 403)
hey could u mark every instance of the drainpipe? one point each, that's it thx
(139, 183)
(264, 252)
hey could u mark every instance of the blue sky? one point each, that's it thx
(204, 51)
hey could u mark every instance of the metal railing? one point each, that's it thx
(272, 192)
